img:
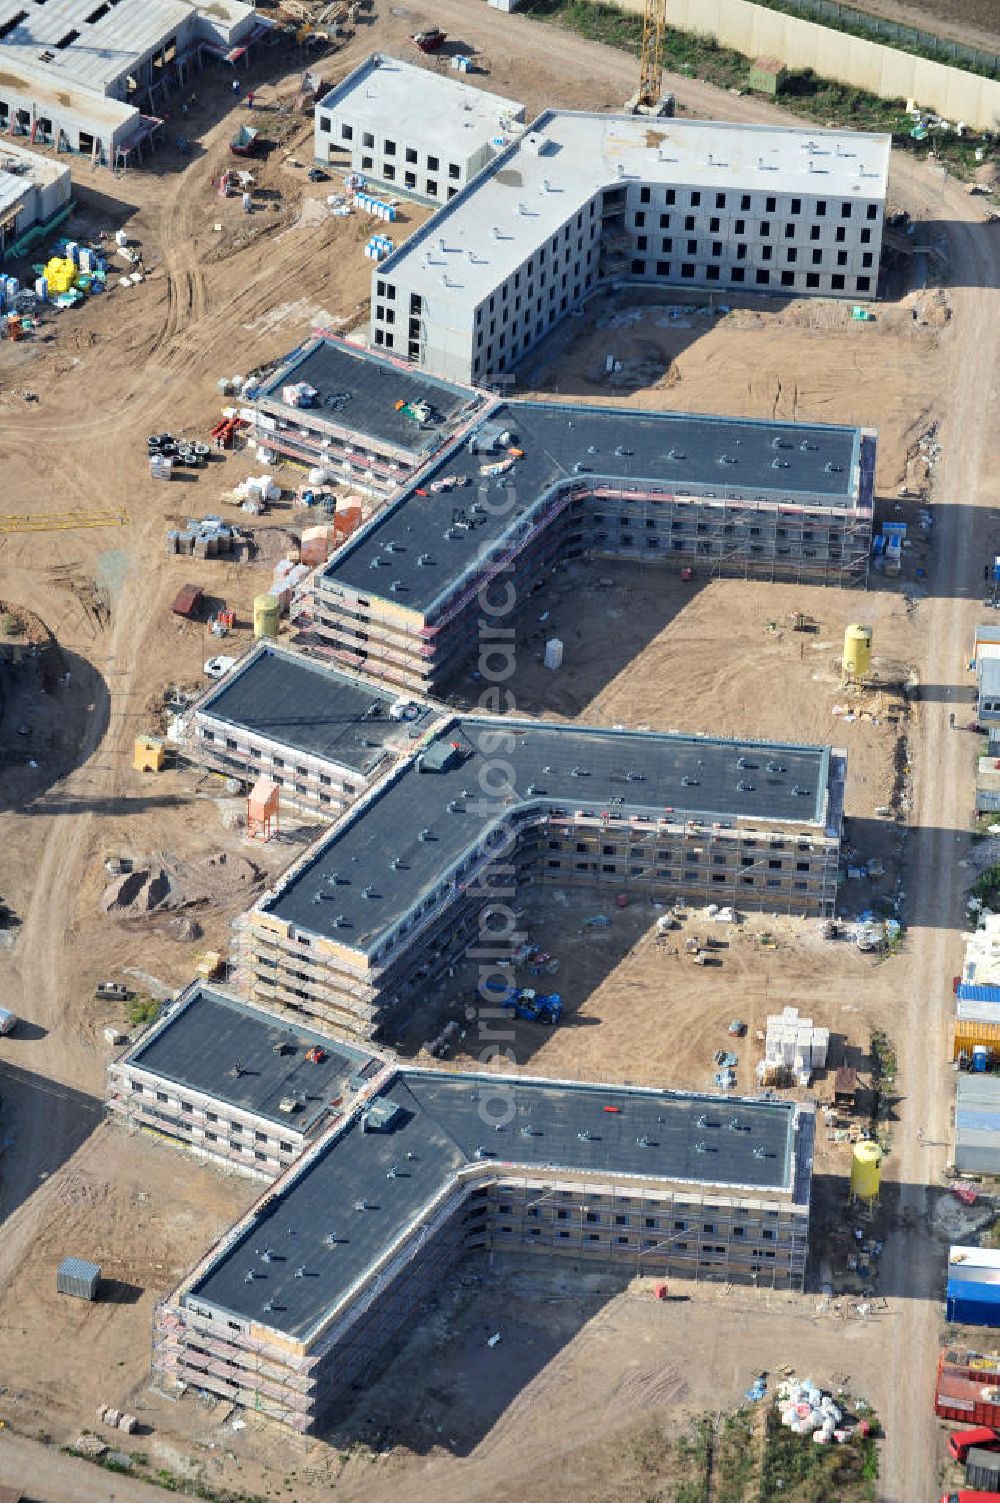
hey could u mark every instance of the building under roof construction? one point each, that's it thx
(529, 483)
(35, 197)
(582, 200)
(232, 1083)
(90, 76)
(293, 1306)
(354, 931)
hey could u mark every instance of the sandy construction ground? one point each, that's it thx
(644, 650)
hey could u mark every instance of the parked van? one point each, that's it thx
(8, 1020)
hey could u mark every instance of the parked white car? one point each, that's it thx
(220, 666)
(8, 1020)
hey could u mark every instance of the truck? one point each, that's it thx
(961, 1442)
(527, 1004)
(964, 1495)
(8, 1020)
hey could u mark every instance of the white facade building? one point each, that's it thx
(584, 199)
(409, 129)
(34, 191)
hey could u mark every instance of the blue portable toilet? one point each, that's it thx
(980, 1058)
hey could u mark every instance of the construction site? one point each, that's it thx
(402, 688)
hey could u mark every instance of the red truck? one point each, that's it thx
(967, 1496)
(961, 1442)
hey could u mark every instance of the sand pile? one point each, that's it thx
(159, 884)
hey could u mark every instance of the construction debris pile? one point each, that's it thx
(165, 884)
(806, 1410)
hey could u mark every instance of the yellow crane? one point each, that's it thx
(58, 521)
(654, 27)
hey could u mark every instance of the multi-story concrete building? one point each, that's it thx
(294, 1305)
(353, 933)
(234, 1084)
(411, 130)
(373, 424)
(323, 736)
(89, 76)
(581, 200)
(533, 482)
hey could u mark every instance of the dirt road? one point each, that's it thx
(55, 1478)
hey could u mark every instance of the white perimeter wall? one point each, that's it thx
(881, 70)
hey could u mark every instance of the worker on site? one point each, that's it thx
(236, 88)
(250, 100)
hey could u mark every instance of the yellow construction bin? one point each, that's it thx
(970, 1032)
(150, 754)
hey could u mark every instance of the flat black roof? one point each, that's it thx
(807, 463)
(201, 1043)
(351, 891)
(313, 1243)
(358, 390)
(312, 708)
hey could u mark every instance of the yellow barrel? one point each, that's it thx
(866, 1171)
(266, 615)
(857, 651)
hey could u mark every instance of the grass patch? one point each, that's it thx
(798, 1470)
(735, 1459)
(142, 1010)
(803, 93)
(987, 887)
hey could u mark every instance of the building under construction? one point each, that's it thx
(231, 1083)
(292, 1309)
(353, 933)
(531, 483)
(369, 420)
(322, 736)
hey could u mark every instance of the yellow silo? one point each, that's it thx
(857, 651)
(866, 1172)
(266, 615)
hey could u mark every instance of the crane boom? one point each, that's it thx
(654, 27)
(57, 521)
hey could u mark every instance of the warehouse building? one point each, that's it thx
(372, 422)
(584, 200)
(321, 735)
(354, 932)
(234, 1084)
(36, 195)
(409, 130)
(530, 483)
(90, 76)
(293, 1307)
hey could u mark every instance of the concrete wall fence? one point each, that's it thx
(881, 70)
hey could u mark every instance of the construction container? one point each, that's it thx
(553, 653)
(973, 1295)
(857, 652)
(78, 1277)
(209, 966)
(982, 1469)
(969, 1034)
(187, 600)
(149, 754)
(866, 1172)
(266, 616)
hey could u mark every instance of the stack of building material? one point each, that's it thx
(299, 394)
(205, 537)
(794, 1043)
(288, 575)
(317, 543)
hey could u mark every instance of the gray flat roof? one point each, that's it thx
(438, 110)
(312, 708)
(428, 822)
(104, 40)
(358, 391)
(746, 1145)
(565, 158)
(688, 454)
(199, 1045)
